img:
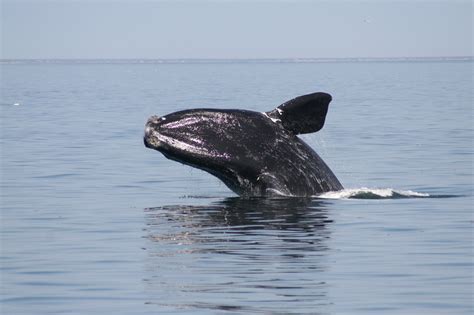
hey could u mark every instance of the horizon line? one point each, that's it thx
(227, 60)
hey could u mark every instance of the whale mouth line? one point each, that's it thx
(159, 140)
(171, 146)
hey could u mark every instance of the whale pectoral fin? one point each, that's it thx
(303, 114)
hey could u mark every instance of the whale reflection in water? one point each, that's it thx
(216, 256)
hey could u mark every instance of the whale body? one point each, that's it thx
(253, 153)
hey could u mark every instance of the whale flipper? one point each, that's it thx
(303, 114)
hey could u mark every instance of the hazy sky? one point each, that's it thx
(235, 29)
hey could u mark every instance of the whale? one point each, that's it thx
(255, 154)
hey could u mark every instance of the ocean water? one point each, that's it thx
(92, 222)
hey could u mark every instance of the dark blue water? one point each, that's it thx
(93, 222)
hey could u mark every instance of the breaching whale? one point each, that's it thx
(253, 153)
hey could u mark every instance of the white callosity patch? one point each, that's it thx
(275, 120)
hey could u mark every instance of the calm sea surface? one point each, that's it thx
(92, 222)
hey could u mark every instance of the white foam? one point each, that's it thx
(368, 193)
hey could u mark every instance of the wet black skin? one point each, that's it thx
(254, 154)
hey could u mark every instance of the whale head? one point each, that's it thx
(251, 152)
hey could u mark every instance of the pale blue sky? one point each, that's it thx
(235, 29)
